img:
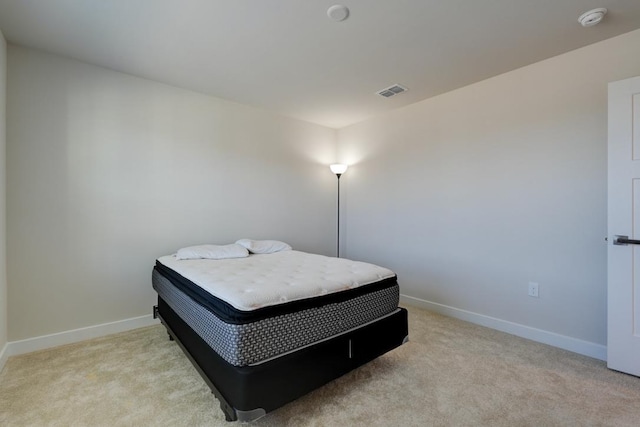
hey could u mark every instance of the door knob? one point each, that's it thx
(625, 240)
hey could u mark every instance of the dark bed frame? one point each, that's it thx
(249, 392)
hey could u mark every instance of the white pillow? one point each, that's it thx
(264, 246)
(213, 252)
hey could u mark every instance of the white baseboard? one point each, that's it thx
(14, 348)
(575, 345)
(4, 355)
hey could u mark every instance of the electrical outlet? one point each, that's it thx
(533, 289)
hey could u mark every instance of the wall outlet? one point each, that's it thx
(533, 289)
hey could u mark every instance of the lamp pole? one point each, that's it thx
(338, 217)
(338, 169)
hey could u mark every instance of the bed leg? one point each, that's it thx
(170, 337)
(229, 413)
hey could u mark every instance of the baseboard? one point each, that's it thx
(575, 345)
(4, 355)
(586, 348)
(15, 348)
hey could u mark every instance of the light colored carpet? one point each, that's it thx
(451, 373)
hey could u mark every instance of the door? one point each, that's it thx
(623, 307)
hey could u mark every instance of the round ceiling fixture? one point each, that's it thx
(338, 12)
(592, 17)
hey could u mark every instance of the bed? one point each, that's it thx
(264, 327)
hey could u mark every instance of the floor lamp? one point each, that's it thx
(338, 169)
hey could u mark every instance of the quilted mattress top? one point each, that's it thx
(271, 279)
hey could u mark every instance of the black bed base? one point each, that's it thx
(249, 392)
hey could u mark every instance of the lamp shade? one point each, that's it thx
(338, 168)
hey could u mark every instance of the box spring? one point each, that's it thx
(248, 392)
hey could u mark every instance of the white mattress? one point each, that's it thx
(270, 279)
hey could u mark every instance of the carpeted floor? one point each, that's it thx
(451, 373)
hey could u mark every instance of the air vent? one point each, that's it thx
(392, 91)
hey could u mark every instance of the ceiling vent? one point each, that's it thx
(392, 91)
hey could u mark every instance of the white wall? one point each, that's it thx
(471, 195)
(3, 267)
(107, 171)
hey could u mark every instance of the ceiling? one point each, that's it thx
(287, 56)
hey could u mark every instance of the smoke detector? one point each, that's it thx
(592, 17)
(338, 12)
(392, 91)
